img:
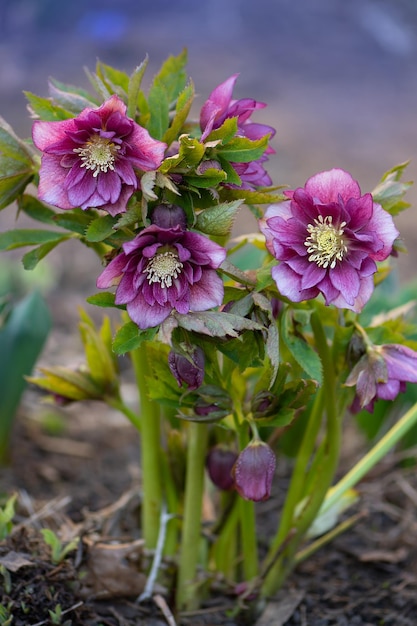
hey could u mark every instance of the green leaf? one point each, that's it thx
(172, 75)
(133, 89)
(390, 191)
(182, 109)
(159, 110)
(76, 220)
(218, 220)
(225, 132)
(104, 299)
(16, 165)
(251, 197)
(17, 238)
(216, 324)
(36, 209)
(115, 80)
(74, 385)
(129, 337)
(45, 109)
(243, 150)
(71, 98)
(32, 258)
(100, 361)
(21, 341)
(233, 177)
(302, 351)
(210, 178)
(100, 228)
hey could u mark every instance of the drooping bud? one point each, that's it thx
(169, 216)
(187, 367)
(264, 404)
(212, 404)
(254, 471)
(219, 464)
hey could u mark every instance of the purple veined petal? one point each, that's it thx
(119, 206)
(382, 223)
(328, 290)
(289, 284)
(312, 275)
(126, 291)
(123, 167)
(303, 206)
(75, 175)
(346, 279)
(183, 253)
(141, 241)
(207, 293)
(182, 306)
(328, 186)
(145, 153)
(146, 316)
(81, 193)
(200, 245)
(109, 186)
(366, 289)
(388, 390)
(401, 362)
(253, 130)
(46, 134)
(111, 274)
(366, 388)
(161, 294)
(52, 183)
(360, 211)
(218, 100)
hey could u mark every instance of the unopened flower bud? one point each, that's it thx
(188, 368)
(219, 463)
(264, 404)
(169, 216)
(254, 471)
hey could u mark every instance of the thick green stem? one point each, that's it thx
(187, 596)
(388, 441)
(298, 522)
(150, 451)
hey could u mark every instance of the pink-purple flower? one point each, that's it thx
(90, 161)
(328, 237)
(220, 106)
(254, 471)
(382, 373)
(163, 270)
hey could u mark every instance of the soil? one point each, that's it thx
(76, 471)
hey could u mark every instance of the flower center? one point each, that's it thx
(163, 268)
(98, 154)
(325, 243)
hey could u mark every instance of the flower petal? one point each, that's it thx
(328, 186)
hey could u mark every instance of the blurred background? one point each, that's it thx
(339, 77)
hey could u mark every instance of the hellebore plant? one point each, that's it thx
(237, 364)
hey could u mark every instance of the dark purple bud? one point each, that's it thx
(169, 216)
(210, 164)
(219, 464)
(203, 409)
(254, 471)
(187, 367)
(264, 404)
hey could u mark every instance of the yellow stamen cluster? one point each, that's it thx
(163, 268)
(325, 243)
(98, 154)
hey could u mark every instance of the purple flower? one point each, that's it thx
(219, 107)
(187, 367)
(219, 463)
(90, 161)
(382, 373)
(328, 237)
(254, 471)
(165, 269)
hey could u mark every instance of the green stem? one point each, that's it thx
(187, 596)
(388, 441)
(150, 451)
(325, 469)
(119, 405)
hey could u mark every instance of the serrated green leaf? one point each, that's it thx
(133, 89)
(216, 324)
(45, 109)
(71, 98)
(182, 109)
(211, 178)
(243, 150)
(32, 258)
(67, 383)
(233, 177)
(98, 84)
(100, 361)
(159, 110)
(129, 337)
(36, 209)
(76, 220)
(218, 220)
(225, 132)
(104, 299)
(172, 75)
(302, 352)
(17, 238)
(390, 191)
(191, 150)
(16, 165)
(100, 228)
(114, 79)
